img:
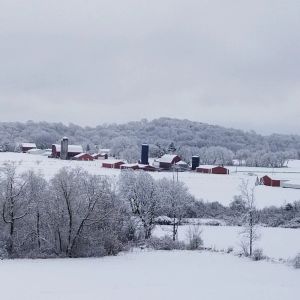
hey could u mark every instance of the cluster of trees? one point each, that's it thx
(74, 214)
(77, 214)
(214, 144)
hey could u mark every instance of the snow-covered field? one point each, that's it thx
(277, 243)
(149, 275)
(221, 188)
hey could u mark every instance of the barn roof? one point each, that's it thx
(209, 167)
(167, 158)
(71, 148)
(81, 154)
(28, 145)
(112, 161)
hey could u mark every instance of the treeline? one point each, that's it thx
(214, 144)
(77, 214)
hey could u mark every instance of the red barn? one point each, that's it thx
(168, 160)
(212, 170)
(27, 146)
(73, 150)
(113, 164)
(83, 156)
(268, 181)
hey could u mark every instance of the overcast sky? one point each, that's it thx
(231, 63)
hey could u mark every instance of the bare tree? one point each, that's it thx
(139, 189)
(175, 198)
(13, 207)
(249, 233)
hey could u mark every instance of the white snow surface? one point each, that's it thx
(149, 275)
(276, 243)
(209, 187)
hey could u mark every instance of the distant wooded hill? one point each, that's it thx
(186, 136)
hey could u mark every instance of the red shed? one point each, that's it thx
(83, 156)
(268, 181)
(212, 170)
(27, 146)
(112, 164)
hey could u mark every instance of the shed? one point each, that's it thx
(113, 164)
(27, 146)
(268, 181)
(208, 169)
(83, 156)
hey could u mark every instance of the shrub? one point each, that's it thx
(195, 241)
(258, 254)
(296, 261)
(164, 243)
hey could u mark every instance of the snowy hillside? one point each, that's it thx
(209, 187)
(149, 275)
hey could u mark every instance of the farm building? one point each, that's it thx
(137, 166)
(130, 166)
(100, 155)
(182, 166)
(73, 150)
(83, 156)
(112, 164)
(268, 181)
(207, 169)
(168, 160)
(27, 146)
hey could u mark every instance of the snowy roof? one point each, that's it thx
(167, 158)
(208, 167)
(71, 148)
(182, 163)
(80, 155)
(112, 161)
(99, 154)
(28, 145)
(130, 165)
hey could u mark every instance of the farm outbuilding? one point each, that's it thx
(113, 164)
(207, 169)
(27, 146)
(83, 156)
(100, 155)
(137, 166)
(73, 150)
(130, 166)
(268, 181)
(168, 160)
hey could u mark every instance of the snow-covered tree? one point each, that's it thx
(175, 199)
(139, 190)
(250, 232)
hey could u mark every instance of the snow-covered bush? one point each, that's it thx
(195, 241)
(164, 243)
(296, 261)
(258, 254)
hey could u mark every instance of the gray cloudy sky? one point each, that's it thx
(232, 63)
